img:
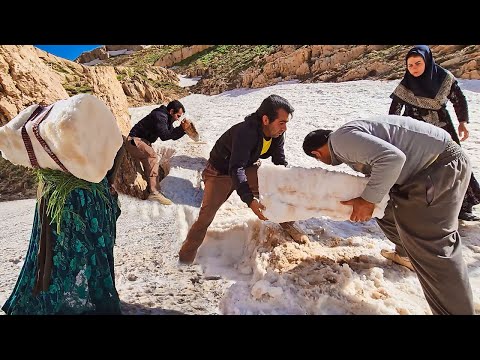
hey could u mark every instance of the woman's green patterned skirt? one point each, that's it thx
(81, 276)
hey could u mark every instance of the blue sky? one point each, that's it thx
(70, 52)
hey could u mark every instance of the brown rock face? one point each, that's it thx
(180, 54)
(312, 63)
(25, 80)
(130, 179)
(106, 86)
(138, 84)
(125, 47)
(101, 53)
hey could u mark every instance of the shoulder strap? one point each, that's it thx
(26, 138)
(36, 131)
(42, 142)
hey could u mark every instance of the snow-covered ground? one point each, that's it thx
(185, 81)
(246, 266)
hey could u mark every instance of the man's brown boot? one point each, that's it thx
(187, 252)
(295, 233)
(400, 260)
(158, 196)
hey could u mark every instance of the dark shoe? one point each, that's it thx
(467, 216)
(187, 252)
(295, 233)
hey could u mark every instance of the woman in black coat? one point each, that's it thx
(424, 92)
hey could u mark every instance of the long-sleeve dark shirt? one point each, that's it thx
(157, 124)
(240, 147)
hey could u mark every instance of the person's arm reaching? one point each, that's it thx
(395, 107)
(163, 130)
(386, 163)
(460, 106)
(243, 143)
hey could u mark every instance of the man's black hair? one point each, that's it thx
(270, 106)
(314, 140)
(176, 106)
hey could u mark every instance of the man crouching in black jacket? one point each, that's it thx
(157, 124)
(233, 165)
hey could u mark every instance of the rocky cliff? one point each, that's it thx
(224, 67)
(107, 51)
(311, 63)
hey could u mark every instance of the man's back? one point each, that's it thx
(419, 141)
(393, 147)
(393, 128)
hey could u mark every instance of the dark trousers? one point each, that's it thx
(421, 219)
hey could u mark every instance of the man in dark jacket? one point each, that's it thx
(233, 165)
(157, 124)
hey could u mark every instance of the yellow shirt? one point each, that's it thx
(266, 146)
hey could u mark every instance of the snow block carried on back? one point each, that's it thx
(80, 131)
(291, 194)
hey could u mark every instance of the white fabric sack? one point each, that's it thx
(81, 131)
(291, 194)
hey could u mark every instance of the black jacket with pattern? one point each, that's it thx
(455, 95)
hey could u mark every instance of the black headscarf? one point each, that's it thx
(428, 84)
